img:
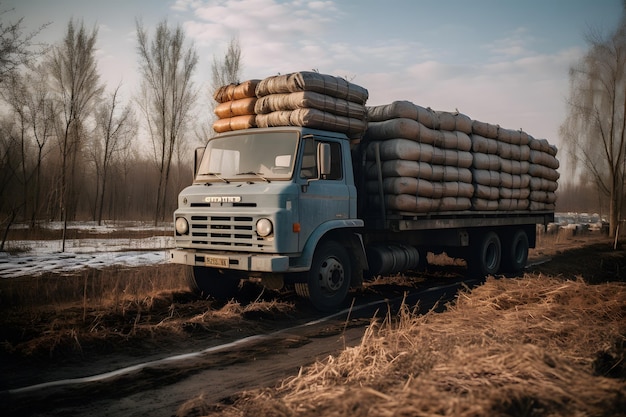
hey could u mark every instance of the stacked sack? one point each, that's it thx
(544, 175)
(235, 109)
(313, 100)
(425, 157)
(500, 168)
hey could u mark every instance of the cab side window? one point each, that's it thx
(309, 161)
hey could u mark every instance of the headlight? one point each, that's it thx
(264, 227)
(182, 227)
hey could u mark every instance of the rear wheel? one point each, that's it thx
(211, 282)
(328, 280)
(515, 252)
(485, 255)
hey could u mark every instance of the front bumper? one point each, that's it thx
(231, 260)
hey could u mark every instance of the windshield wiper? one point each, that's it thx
(258, 174)
(216, 175)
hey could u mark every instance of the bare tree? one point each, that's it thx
(76, 84)
(114, 130)
(16, 47)
(228, 70)
(224, 71)
(168, 96)
(594, 132)
(14, 93)
(41, 117)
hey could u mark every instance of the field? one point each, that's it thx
(550, 342)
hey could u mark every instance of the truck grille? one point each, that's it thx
(225, 232)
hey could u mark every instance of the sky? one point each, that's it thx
(504, 62)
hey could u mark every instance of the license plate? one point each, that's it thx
(216, 261)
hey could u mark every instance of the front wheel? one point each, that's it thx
(211, 282)
(328, 280)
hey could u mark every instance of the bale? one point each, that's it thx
(485, 129)
(484, 204)
(232, 92)
(312, 81)
(234, 123)
(483, 144)
(486, 177)
(232, 108)
(411, 204)
(486, 192)
(309, 99)
(486, 161)
(312, 118)
(422, 188)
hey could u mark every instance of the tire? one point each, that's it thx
(486, 256)
(210, 282)
(328, 280)
(515, 252)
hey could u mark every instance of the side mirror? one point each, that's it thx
(197, 158)
(323, 158)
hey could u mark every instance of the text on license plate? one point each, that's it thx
(216, 261)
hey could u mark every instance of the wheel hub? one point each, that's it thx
(331, 275)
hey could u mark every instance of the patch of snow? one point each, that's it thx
(46, 256)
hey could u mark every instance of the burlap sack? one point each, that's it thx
(537, 206)
(515, 193)
(412, 204)
(313, 118)
(395, 110)
(309, 99)
(536, 170)
(446, 121)
(312, 81)
(445, 139)
(542, 184)
(393, 128)
(480, 204)
(401, 168)
(486, 192)
(512, 204)
(422, 188)
(514, 167)
(232, 92)
(415, 169)
(543, 158)
(234, 123)
(486, 130)
(483, 144)
(514, 137)
(486, 177)
(543, 196)
(486, 161)
(232, 108)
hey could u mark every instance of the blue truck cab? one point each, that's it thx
(277, 205)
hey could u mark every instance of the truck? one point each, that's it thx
(287, 206)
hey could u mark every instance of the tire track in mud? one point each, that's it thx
(160, 387)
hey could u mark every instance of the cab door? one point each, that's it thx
(323, 197)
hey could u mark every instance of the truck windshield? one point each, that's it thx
(249, 157)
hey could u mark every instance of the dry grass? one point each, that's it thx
(95, 287)
(112, 309)
(512, 347)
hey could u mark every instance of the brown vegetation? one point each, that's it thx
(535, 345)
(116, 308)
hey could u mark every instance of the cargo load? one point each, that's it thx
(488, 167)
(307, 99)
